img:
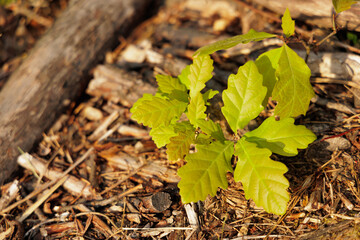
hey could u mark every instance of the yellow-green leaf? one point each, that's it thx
(196, 109)
(179, 145)
(200, 72)
(212, 129)
(252, 35)
(262, 178)
(292, 90)
(161, 135)
(168, 84)
(342, 5)
(267, 64)
(205, 171)
(282, 137)
(157, 111)
(244, 96)
(288, 25)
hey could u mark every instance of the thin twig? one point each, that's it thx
(49, 184)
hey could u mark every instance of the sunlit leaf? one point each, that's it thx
(196, 109)
(292, 90)
(167, 84)
(162, 134)
(288, 25)
(158, 111)
(262, 178)
(183, 77)
(281, 137)
(244, 96)
(252, 35)
(205, 171)
(200, 72)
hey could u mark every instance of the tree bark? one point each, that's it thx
(316, 12)
(56, 70)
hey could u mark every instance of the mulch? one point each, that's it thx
(96, 174)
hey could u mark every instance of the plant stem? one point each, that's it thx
(332, 33)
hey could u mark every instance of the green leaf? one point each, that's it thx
(212, 129)
(205, 171)
(209, 94)
(342, 5)
(200, 72)
(146, 96)
(267, 64)
(252, 35)
(203, 139)
(157, 111)
(183, 77)
(180, 144)
(5, 2)
(167, 84)
(262, 178)
(244, 96)
(281, 137)
(162, 134)
(288, 25)
(293, 90)
(181, 96)
(196, 109)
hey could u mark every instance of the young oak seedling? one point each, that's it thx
(279, 73)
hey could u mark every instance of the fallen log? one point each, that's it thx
(55, 71)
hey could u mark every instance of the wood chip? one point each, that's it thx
(157, 202)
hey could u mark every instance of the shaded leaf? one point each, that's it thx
(209, 94)
(205, 171)
(262, 178)
(252, 35)
(293, 90)
(180, 144)
(203, 139)
(288, 25)
(181, 96)
(244, 96)
(281, 137)
(212, 129)
(267, 64)
(158, 111)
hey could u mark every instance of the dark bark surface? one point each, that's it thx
(55, 70)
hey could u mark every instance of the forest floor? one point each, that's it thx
(98, 175)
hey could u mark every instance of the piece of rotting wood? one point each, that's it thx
(157, 202)
(72, 184)
(56, 70)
